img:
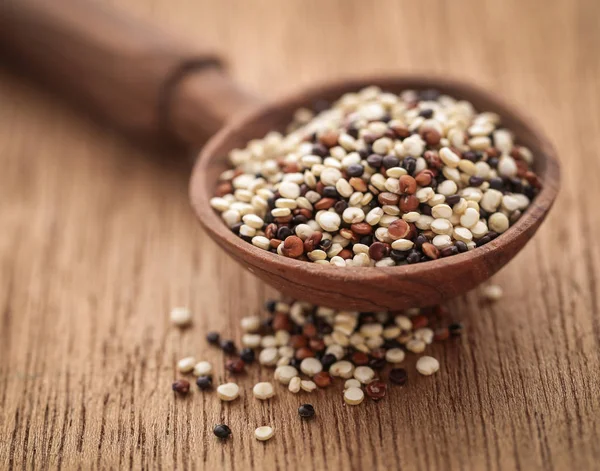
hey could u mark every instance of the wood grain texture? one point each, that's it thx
(98, 241)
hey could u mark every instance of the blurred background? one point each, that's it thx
(98, 242)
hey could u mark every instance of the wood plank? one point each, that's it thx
(98, 242)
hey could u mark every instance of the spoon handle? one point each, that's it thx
(126, 71)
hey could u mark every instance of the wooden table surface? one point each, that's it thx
(98, 242)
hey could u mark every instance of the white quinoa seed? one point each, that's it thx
(264, 433)
(493, 292)
(311, 366)
(415, 346)
(228, 391)
(263, 391)
(353, 396)
(427, 365)
(250, 323)
(352, 383)
(284, 374)
(395, 355)
(268, 341)
(498, 222)
(425, 334)
(294, 384)
(268, 356)
(403, 322)
(342, 369)
(185, 365)
(261, 242)
(181, 316)
(202, 368)
(308, 386)
(364, 374)
(251, 340)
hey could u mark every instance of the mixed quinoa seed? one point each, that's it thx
(378, 179)
(308, 347)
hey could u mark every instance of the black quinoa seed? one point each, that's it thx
(212, 338)
(449, 251)
(461, 246)
(455, 329)
(340, 206)
(413, 257)
(247, 354)
(476, 181)
(352, 130)
(421, 239)
(391, 343)
(484, 240)
(470, 155)
(228, 346)
(366, 240)
(377, 363)
(397, 256)
(306, 411)
(328, 360)
(452, 200)
(222, 431)
(409, 164)
(355, 170)
(497, 184)
(426, 113)
(390, 161)
(325, 244)
(320, 150)
(283, 233)
(374, 160)
(299, 219)
(492, 235)
(398, 376)
(330, 192)
(204, 382)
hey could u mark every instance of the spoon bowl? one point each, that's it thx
(372, 288)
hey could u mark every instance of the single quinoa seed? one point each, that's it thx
(181, 316)
(427, 365)
(264, 433)
(247, 355)
(398, 376)
(228, 346)
(263, 391)
(376, 390)
(353, 396)
(204, 382)
(228, 391)
(493, 293)
(222, 431)
(181, 386)
(306, 411)
(212, 338)
(358, 184)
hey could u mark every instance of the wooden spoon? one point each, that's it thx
(153, 85)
